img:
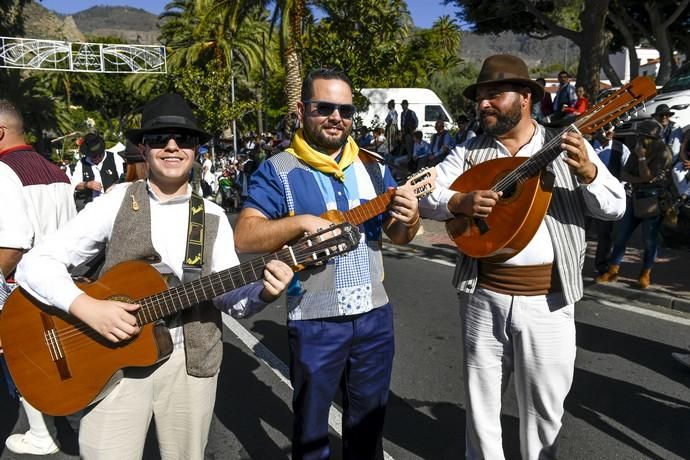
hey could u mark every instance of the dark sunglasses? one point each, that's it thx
(325, 109)
(160, 140)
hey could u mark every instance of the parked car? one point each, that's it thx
(675, 93)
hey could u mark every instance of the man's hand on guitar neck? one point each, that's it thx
(477, 203)
(578, 159)
(113, 320)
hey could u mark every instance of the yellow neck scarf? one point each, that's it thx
(322, 162)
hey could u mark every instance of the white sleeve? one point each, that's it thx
(435, 205)
(243, 301)
(77, 175)
(43, 271)
(605, 196)
(16, 230)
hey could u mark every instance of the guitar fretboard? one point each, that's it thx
(371, 208)
(176, 299)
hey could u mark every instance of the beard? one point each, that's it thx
(315, 135)
(504, 121)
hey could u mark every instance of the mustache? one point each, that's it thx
(485, 113)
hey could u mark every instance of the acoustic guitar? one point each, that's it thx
(525, 185)
(61, 365)
(422, 183)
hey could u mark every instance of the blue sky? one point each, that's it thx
(424, 12)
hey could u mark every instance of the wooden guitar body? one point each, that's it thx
(61, 365)
(61, 371)
(512, 222)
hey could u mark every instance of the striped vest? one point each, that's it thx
(565, 221)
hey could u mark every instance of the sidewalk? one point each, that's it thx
(670, 286)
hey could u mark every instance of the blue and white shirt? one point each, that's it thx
(349, 284)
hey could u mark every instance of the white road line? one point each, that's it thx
(646, 312)
(630, 308)
(280, 369)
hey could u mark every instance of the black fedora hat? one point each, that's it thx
(92, 145)
(505, 68)
(663, 109)
(166, 112)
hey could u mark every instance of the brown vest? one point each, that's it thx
(131, 240)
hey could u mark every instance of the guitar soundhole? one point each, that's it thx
(509, 192)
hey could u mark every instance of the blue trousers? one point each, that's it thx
(624, 230)
(354, 353)
(8, 378)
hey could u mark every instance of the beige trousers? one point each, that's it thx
(115, 428)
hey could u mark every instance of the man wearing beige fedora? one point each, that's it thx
(518, 314)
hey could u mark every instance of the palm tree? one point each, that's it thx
(291, 14)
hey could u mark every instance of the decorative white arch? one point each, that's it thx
(37, 54)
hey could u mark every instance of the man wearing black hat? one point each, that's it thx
(96, 171)
(150, 220)
(517, 309)
(671, 133)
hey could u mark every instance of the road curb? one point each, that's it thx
(617, 289)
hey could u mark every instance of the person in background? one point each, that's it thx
(672, 134)
(614, 154)
(340, 321)
(441, 143)
(149, 220)
(96, 171)
(544, 108)
(517, 315)
(135, 164)
(681, 169)
(421, 152)
(565, 96)
(646, 171)
(37, 199)
(581, 104)
(465, 131)
(391, 130)
(408, 125)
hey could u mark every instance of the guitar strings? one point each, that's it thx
(71, 336)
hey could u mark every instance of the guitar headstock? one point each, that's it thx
(423, 182)
(617, 107)
(317, 248)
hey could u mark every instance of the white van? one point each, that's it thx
(424, 102)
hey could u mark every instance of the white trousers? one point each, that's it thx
(115, 428)
(505, 334)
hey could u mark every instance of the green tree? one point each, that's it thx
(288, 16)
(581, 21)
(363, 38)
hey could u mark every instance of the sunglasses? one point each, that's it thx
(160, 140)
(325, 109)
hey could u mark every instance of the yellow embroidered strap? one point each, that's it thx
(320, 161)
(194, 255)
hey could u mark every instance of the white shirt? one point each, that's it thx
(29, 213)
(43, 270)
(604, 196)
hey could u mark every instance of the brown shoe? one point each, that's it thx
(610, 276)
(644, 279)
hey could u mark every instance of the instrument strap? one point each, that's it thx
(194, 255)
(373, 169)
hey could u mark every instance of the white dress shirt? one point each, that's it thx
(43, 271)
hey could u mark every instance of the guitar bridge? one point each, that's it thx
(481, 225)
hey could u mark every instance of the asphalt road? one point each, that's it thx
(629, 400)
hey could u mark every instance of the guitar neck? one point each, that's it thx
(181, 297)
(371, 208)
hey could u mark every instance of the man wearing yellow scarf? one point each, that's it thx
(340, 322)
